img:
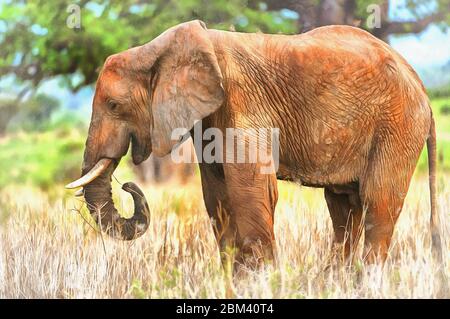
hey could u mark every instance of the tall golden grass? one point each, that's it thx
(48, 250)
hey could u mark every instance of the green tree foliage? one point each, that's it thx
(315, 13)
(8, 109)
(33, 114)
(37, 43)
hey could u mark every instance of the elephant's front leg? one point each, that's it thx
(218, 205)
(252, 197)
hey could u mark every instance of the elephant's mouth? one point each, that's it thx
(96, 188)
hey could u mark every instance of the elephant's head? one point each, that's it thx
(141, 96)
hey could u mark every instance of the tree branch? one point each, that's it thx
(404, 27)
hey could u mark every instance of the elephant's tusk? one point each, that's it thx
(79, 193)
(96, 171)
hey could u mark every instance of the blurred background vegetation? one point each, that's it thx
(51, 51)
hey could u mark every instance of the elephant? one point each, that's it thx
(353, 118)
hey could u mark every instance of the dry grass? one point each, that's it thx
(48, 251)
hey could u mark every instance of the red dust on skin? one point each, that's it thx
(121, 105)
(369, 104)
(110, 80)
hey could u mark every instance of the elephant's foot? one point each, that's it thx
(377, 243)
(253, 255)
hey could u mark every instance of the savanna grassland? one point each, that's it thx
(50, 249)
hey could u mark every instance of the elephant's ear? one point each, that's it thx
(188, 83)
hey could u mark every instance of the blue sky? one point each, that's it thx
(430, 48)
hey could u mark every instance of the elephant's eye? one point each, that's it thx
(112, 105)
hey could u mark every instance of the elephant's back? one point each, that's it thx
(355, 46)
(339, 57)
(344, 37)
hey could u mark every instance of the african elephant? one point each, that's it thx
(352, 115)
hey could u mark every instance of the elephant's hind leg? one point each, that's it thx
(383, 190)
(346, 213)
(383, 208)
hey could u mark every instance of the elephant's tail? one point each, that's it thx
(432, 162)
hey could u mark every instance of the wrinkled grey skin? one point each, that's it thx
(353, 118)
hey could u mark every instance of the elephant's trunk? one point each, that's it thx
(98, 195)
